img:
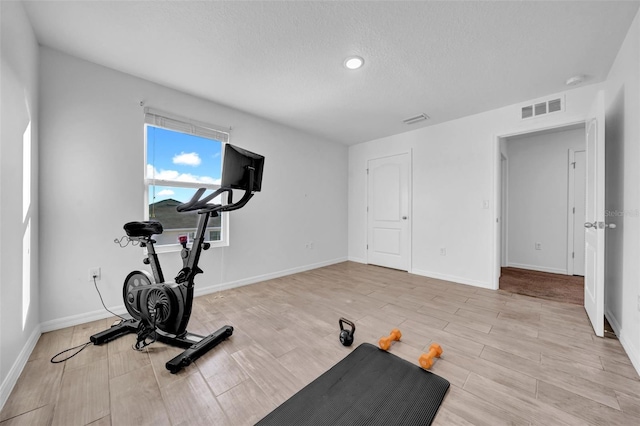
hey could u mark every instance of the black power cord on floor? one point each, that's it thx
(83, 345)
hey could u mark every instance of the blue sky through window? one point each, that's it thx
(180, 157)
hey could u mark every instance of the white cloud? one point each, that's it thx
(173, 175)
(165, 192)
(187, 159)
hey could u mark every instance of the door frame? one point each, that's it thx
(503, 227)
(571, 197)
(409, 247)
(496, 255)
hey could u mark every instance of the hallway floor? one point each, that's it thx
(543, 285)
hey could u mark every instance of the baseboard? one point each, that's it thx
(452, 278)
(202, 290)
(356, 259)
(73, 320)
(84, 318)
(537, 268)
(632, 352)
(613, 321)
(14, 373)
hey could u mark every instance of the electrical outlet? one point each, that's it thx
(94, 272)
(443, 251)
(538, 246)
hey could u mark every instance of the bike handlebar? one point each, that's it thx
(185, 207)
(195, 203)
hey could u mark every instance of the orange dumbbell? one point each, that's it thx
(385, 342)
(426, 360)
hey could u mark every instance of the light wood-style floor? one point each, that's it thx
(510, 359)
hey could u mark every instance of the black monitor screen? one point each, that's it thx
(234, 173)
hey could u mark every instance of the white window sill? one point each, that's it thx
(176, 248)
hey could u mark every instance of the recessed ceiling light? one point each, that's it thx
(353, 62)
(574, 80)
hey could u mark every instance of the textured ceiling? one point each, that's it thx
(283, 60)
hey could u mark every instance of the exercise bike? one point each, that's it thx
(161, 310)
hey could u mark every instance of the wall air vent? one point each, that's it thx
(555, 105)
(542, 108)
(416, 119)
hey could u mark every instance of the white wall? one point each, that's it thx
(91, 184)
(538, 198)
(622, 272)
(455, 166)
(19, 299)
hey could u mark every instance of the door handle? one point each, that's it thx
(599, 225)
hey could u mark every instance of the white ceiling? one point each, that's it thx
(284, 60)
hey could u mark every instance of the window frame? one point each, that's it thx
(178, 124)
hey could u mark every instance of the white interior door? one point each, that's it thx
(388, 222)
(594, 217)
(579, 193)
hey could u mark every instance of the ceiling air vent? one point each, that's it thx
(542, 108)
(416, 119)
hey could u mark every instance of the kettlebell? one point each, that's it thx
(346, 336)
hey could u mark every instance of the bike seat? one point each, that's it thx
(143, 229)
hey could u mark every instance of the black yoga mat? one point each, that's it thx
(368, 387)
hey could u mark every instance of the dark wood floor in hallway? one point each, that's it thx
(544, 285)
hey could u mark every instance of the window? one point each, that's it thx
(181, 156)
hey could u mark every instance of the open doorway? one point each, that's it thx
(542, 210)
